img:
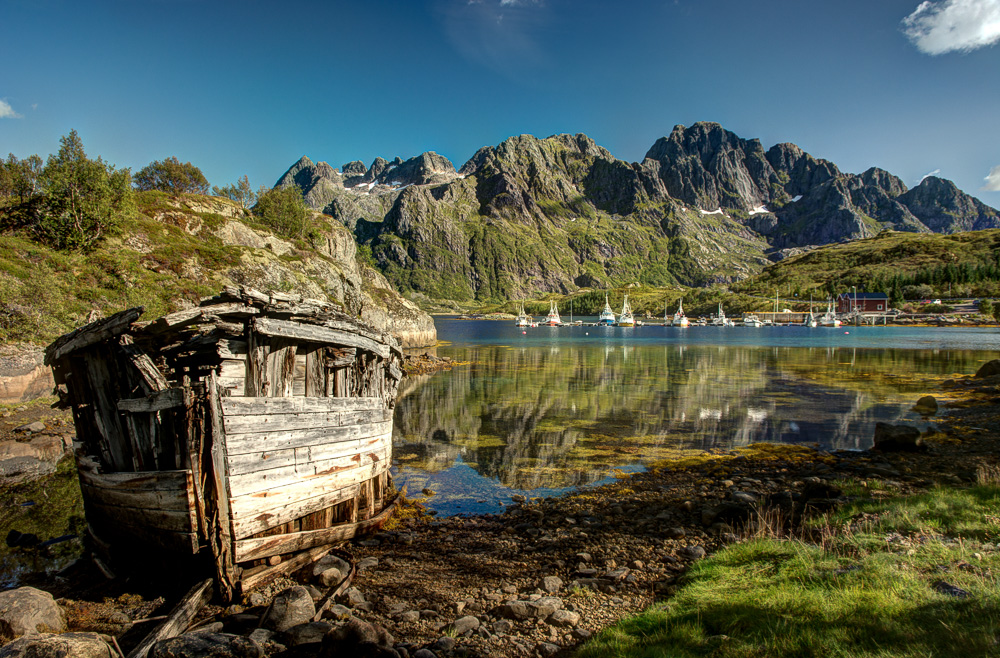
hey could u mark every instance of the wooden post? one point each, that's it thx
(221, 542)
(178, 619)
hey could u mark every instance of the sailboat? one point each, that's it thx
(626, 319)
(679, 319)
(523, 319)
(607, 315)
(829, 319)
(721, 320)
(553, 319)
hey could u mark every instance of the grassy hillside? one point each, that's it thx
(176, 250)
(957, 265)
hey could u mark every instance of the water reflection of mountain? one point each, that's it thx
(535, 417)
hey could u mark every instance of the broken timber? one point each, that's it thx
(253, 427)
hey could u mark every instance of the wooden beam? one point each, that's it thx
(260, 547)
(260, 406)
(259, 578)
(347, 337)
(91, 334)
(166, 399)
(221, 543)
(179, 618)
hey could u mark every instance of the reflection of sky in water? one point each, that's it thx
(552, 409)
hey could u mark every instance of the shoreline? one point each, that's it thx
(604, 553)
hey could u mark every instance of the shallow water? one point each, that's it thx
(548, 410)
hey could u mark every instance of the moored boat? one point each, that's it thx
(751, 320)
(626, 319)
(721, 320)
(607, 316)
(553, 319)
(829, 319)
(523, 319)
(679, 319)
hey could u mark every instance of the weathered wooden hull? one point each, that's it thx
(261, 440)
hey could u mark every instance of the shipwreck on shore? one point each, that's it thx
(251, 432)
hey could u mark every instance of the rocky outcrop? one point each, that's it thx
(560, 213)
(23, 376)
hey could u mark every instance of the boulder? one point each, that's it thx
(563, 618)
(551, 584)
(307, 633)
(56, 645)
(462, 625)
(897, 438)
(26, 610)
(926, 406)
(357, 638)
(989, 369)
(290, 607)
(207, 645)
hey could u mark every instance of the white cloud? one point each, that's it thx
(940, 26)
(992, 180)
(7, 112)
(930, 173)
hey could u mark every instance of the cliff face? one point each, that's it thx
(538, 215)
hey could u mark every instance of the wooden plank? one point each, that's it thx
(167, 399)
(257, 520)
(315, 373)
(241, 444)
(340, 357)
(264, 576)
(249, 406)
(220, 495)
(256, 384)
(104, 394)
(304, 456)
(194, 443)
(256, 548)
(317, 334)
(129, 533)
(232, 376)
(175, 500)
(161, 519)
(281, 368)
(142, 481)
(91, 334)
(152, 378)
(188, 317)
(353, 468)
(308, 420)
(232, 349)
(178, 620)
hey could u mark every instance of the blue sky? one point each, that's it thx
(248, 87)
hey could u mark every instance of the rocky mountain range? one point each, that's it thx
(557, 214)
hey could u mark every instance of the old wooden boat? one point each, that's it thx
(249, 431)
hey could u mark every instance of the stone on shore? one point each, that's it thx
(926, 406)
(897, 438)
(290, 607)
(989, 369)
(207, 645)
(59, 645)
(26, 610)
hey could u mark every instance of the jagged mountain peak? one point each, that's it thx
(556, 213)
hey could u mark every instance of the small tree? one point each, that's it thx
(283, 211)
(83, 200)
(171, 175)
(986, 308)
(240, 192)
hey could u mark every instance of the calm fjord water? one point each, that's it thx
(551, 409)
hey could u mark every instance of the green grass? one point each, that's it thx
(867, 591)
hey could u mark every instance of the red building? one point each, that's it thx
(866, 302)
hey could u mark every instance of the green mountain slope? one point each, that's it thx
(533, 216)
(179, 249)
